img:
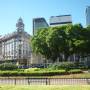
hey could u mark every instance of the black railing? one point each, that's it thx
(45, 81)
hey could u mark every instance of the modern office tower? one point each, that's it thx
(15, 47)
(88, 15)
(39, 23)
(60, 20)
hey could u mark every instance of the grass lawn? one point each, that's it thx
(44, 87)
(82, 75)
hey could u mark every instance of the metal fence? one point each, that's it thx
(44, 81)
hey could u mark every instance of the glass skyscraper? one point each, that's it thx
(39, 23)
(88, 15)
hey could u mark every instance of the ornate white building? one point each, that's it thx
(15, 47)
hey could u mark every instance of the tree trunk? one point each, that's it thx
(66, 57)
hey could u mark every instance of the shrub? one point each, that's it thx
(31, 69)
(8, 73)
(63, 65)
(8, 66)
(75, 71)
(81, 65)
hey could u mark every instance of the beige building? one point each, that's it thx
(37, 59)
(60, 20)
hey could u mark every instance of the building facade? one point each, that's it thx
(15, 47)
(60, 20)
(39, 23)
(88, 15)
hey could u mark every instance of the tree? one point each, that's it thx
(86, 35)
(76, 39)
(55, 42)
(39, 44)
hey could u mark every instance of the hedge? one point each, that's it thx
(75, 71)
(38, 73)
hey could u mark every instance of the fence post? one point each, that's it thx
(15, 81)
(88, 82)
(28, 82)
(46, 81)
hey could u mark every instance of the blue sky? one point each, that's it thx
(11, 10)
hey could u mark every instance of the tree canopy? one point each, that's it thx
(62, 41)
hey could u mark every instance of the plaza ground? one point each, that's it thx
(44, 87)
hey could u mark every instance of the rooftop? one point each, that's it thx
(61, 15)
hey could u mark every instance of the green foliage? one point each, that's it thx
(8, 66)
(70, 39)
(31, 69)
(56, 41)
(63, 65)
(75, 71)
(50, 71)
(39, 44)
(38, 73)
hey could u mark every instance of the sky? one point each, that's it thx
(11, 10)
